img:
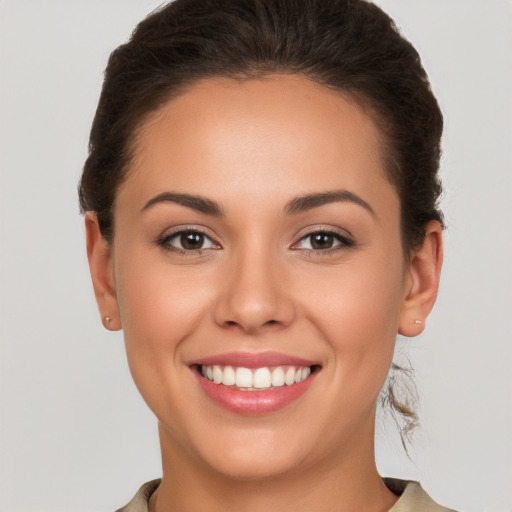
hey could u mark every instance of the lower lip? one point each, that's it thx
(254, 403)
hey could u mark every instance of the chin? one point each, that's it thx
(253, 467)
(251, 455)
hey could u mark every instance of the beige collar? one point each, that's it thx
(412, 497)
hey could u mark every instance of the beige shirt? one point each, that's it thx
(412, 497)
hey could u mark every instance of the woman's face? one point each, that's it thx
(257, 239)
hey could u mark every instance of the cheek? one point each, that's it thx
(159, 306)
(362, 296)
(357, 311)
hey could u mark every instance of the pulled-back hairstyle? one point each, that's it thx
(347, 45)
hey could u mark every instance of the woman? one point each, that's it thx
(261, 215)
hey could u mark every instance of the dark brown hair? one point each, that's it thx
(348, 45)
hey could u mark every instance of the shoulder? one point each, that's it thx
(140, 501)
(412, 497)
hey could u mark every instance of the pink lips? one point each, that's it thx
(249, 360)
(253, 402)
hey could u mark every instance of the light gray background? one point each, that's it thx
(74, 433)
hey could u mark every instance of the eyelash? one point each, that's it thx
(344, 242)
(164, 242)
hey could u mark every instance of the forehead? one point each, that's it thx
(282, 133)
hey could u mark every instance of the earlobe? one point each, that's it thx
(423, 281)
(99, 255)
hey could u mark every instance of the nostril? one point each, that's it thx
(233, 323)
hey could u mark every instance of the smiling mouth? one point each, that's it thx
(265, 378)
(255, 384)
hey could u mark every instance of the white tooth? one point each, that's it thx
(298, 375)
(209, 372)
(217, 374)
(261, 378)
(305, 372)
(290, 376)
(278, 377)
(228, 377)
(203, 371)
(243, 377)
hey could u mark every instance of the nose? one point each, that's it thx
(254, 297)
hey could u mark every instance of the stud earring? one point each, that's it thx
(107, 319)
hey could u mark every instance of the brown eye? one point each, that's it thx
(187, 241)
(191, 241)
(322, 241)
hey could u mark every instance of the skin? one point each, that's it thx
(252, 147)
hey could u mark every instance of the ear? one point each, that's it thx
(99, 254)
(422, 281)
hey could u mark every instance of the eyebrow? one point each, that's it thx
(198, 203)
(310, 201)
(295, 206)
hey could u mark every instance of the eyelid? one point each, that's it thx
(164, 239)
(343, 236)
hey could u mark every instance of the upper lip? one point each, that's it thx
(253, 360)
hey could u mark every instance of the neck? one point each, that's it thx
(347, 481)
